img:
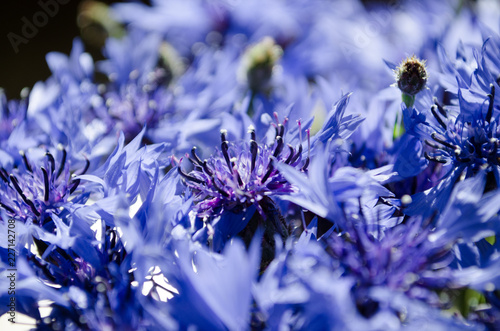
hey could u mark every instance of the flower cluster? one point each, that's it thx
(237, 165)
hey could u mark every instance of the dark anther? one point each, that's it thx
(431, 144)
(279, 146)
(254, 149)
(442, 141)
(225, 147)
(240, 182)
(304, 167)
(195, 157)
(3, 175)
(290, 156)
(252, 134)
(270, 169)
(206, 168)
(297, 155)
(440, 121)
(440, 108)
(197, 166)
(74, 185)
(188, 177)
(87, 165)
(432, 158)
(498, 80)
(491, 96)
(25, 159)
(221, 191)
(223, 135)
(51, 161)
(16, 186)
(14, 181)
(63, 162)
(281, 130)
(10, 210)
(46, 182)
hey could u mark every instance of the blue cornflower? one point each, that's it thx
(469, 146)
(35, 190)
(306, 287)
(464, 145)
(242, 175)
(467, 139)
(401, 258)
(80, 282)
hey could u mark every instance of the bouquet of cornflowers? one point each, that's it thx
(263, 165)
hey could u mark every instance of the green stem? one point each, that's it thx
(399, 128)
(409, 100)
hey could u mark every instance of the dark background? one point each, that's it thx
(27, 66)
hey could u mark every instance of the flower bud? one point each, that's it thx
(411, 77)
(258, 62)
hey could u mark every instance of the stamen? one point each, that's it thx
(52, 162)
(225, 147)
(221, 191)
(87, 165)
(275, 114)
(251, 130)
(25, 199)
(281, 130)
(237, 174)
(308, 142)
(17, 187)
(285, 120)
(304, 167)
(491, 96)
(63, 161)
(435, 159)
(299, 124)
(279, 146)
(207, 169)
(195, 157)
(443, 142)
(431, 144)
(306, 164)
(270, 169)
(10, 210)
(297, 155)
(440, 108)
(46, 182)
(3, 175)
(254, 149)
(188, 177)
(75, 184)
(440, 121)
(197, 166)
(290, 156)
(25, 159)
